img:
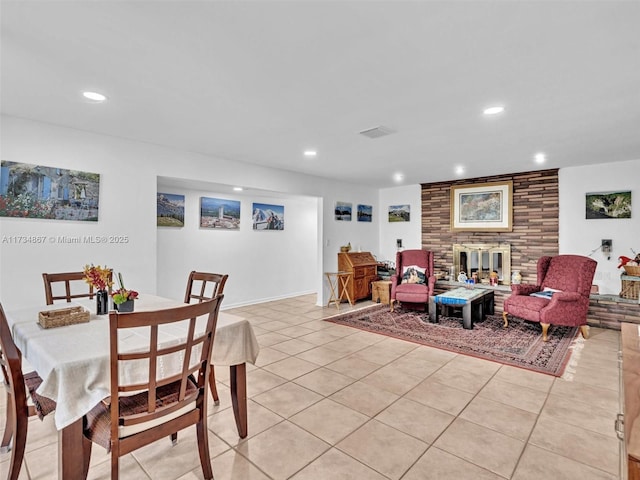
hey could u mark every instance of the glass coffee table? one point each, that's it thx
(476, 304)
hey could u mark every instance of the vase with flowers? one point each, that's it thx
(100, 279)
(123, 298)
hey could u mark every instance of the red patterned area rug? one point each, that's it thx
(520, 344)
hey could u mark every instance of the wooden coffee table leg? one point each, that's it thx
(467, 321)
(238, 383)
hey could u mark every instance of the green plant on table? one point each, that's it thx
(121, 295)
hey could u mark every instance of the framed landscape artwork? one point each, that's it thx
(608, 205)
(399, 213)
(485, 207)
(268, 217)
(219, 213)
(37, 191)
(170, 210)
(364, 213)
(342, 211)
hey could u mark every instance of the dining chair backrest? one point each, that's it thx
(207, 285)
(170, 394)
(74, 286)
(18, 410)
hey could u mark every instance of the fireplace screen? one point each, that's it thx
(483, 259)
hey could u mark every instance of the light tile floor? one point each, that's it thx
(331, 402)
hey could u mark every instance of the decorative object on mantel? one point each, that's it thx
(520, 345)
(631, 267)
(99, 278)
(123, 298)
(483, 207)
(516, 277)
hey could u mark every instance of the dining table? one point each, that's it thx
(74, 363)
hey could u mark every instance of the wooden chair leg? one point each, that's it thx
(174, 438)
(203, 449)
(212, 386)
(584, 329)
(5, 446)
(86, 455)
(505, 320)
(545, 329)
(19, 426)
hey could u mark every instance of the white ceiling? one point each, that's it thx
(261, 81)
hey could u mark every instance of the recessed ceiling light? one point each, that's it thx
(495, 110)
(459, 170)
(398, 177)
(310, 153)
(540, 157)
(95, 96)
(237, 189)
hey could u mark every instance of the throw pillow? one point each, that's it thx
(414, 274)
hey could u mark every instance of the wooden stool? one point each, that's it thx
(338, 282)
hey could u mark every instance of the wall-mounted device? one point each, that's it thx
(399, 243)
(605, 246)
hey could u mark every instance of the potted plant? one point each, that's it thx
(100, 279)
(123, 298)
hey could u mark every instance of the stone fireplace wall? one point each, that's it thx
(535, 220)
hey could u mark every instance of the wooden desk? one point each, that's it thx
(74, 364)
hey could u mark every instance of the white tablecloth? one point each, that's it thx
(74, 360)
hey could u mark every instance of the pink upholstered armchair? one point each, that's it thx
(566, 281)
(413, 281)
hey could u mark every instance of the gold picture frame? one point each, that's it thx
(483, 207)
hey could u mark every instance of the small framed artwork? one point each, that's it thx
(219, 213)
(343, 211)
(608, 205)
(484, 207)
(364, 213)
(399, 213)
(38, 191)
(268, 217)
(170, 210)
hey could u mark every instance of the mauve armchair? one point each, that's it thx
(410, 291)
(567, 279)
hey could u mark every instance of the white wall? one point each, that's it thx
(583, 237)
(410, 232)
(128, 186)
(258, 262)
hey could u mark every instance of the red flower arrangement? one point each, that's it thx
(99, 277)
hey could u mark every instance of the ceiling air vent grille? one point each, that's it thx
(377, 132)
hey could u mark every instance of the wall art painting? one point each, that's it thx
(170, 210)
(38, 191)
(484, 207)
(342, 211)
(219, 213)
(608, 205)
(399, 213)
(365, 213)
(268, 217)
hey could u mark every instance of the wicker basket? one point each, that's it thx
(634, 271)
(630, 289)
(62, 317)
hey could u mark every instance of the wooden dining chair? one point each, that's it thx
(20, 388)
(74, 286)
(161, 405)
(206, 286)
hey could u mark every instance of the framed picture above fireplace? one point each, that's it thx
(482, 207)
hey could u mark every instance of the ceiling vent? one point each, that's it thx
(377, 132)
